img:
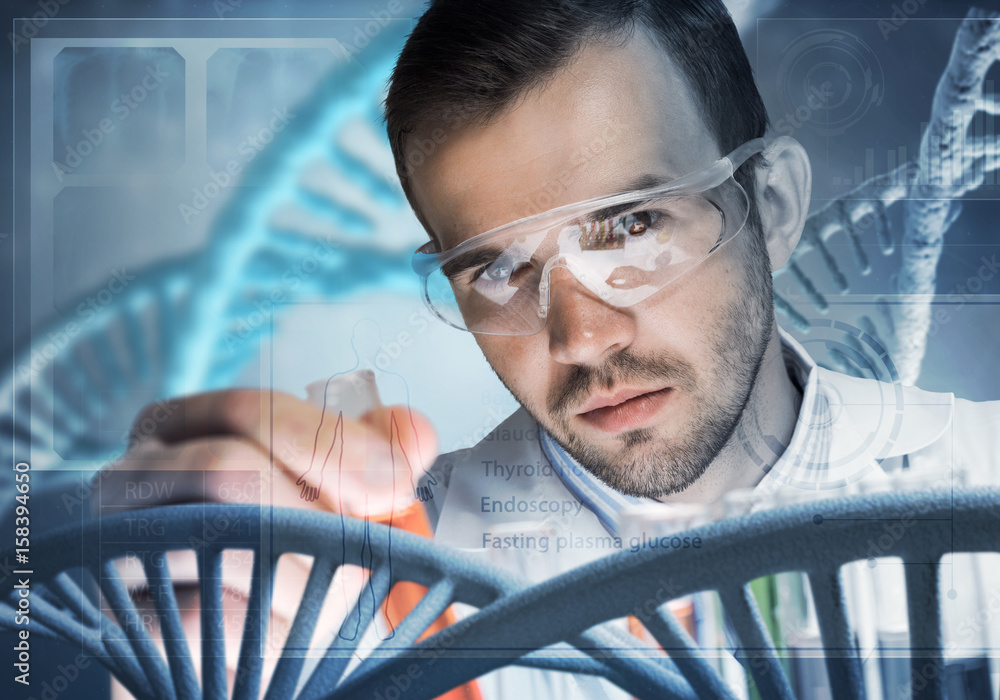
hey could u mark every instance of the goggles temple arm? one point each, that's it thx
(742, 154)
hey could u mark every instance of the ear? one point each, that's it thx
(783, 190)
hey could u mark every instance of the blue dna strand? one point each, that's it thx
(186, 324)
(192, 323)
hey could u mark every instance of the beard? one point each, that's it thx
(646, 463)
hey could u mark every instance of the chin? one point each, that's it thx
(639, 462)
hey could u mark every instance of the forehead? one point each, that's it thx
(613, 114)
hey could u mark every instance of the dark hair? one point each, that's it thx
(469, 60)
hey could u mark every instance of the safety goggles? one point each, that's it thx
(622, 247)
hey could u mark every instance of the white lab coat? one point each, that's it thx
(850, 432)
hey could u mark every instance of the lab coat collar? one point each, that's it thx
(848, 427)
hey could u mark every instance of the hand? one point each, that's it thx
(424, 493)
(217, 447)
(308, 493)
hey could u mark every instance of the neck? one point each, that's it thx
(763, 432)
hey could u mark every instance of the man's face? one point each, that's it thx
(644, 396)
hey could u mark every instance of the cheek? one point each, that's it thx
(520, 362)
(689, 316)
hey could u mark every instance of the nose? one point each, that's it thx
(583, 330)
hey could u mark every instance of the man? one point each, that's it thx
(645, 395)
(639, 338)
(504, 112)
(687, 390)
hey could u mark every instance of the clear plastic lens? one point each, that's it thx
(623, 254)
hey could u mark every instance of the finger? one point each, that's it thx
(215, 470)
(302, 433)
(309, 443)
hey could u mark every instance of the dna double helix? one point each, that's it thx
(192, 323)
(887, 340)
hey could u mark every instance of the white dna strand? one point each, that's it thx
(171, 331)
(951, 163)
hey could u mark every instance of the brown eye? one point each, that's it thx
(636, 223)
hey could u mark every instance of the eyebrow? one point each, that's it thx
(465, 261)
(646, 181)
(643, 182)
(612, 212)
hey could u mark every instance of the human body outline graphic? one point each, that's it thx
(366, 346)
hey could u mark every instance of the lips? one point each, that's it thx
(628, 409)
